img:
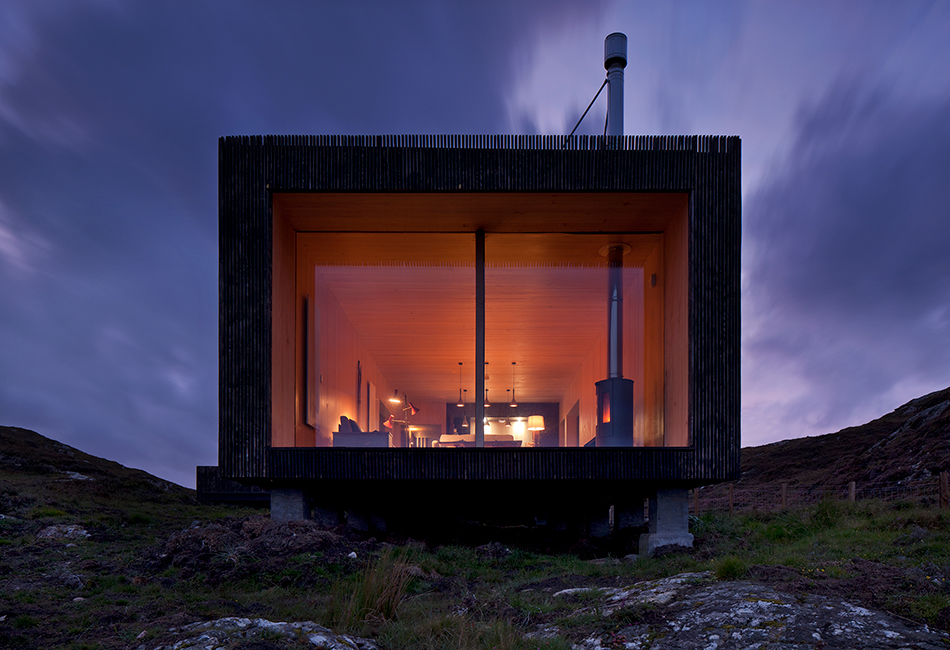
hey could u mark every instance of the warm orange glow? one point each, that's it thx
(606, 407)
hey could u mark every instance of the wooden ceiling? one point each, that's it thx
(496, 212)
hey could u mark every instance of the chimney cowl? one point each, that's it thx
(615, 50)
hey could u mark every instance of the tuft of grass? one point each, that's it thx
(635, 615)
(375, 597)
(25, 621)
(928, 606)
(731, 568)
(827, 513)
(46, 512)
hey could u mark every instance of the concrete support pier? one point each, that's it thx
(289, 504)
(669, 521)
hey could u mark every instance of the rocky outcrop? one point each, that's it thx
(694, 611)
(232, 632)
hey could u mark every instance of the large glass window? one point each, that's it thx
(368, 300)
(390, 341)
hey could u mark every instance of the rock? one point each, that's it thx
(63, 531)
(604, 561)
(692, 610)
(234, 632)
(631, 558)
(352, 555)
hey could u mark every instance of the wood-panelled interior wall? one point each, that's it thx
(283, 341)
(654, 371)
(676, 331)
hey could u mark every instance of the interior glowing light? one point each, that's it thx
(535, 422)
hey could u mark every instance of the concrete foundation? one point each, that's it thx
(287, 504)
(669, 521)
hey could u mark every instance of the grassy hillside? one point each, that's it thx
(40, 475)
(911, 442)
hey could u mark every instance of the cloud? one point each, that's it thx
(109, 118)
(847, 274)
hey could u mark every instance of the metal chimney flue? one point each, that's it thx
(615, 60)
(615, 310)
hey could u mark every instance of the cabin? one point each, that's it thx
(524, 326)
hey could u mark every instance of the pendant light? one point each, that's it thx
(487, 403)
(514, 402)
(460, 403)
(465, 415)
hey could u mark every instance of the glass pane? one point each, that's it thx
(393, 315)
(547, 312)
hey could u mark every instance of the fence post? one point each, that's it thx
(852, 490)
(731, 486)
(784, 496)
(944, 491)
(696, 501)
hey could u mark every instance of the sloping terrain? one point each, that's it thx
(58, 476)
(911, 442)
(96, 555)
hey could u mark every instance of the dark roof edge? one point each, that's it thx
(698, 143)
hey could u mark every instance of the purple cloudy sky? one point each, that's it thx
(110, 112)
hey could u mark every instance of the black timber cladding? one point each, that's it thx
(251, 167)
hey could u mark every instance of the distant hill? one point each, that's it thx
(37, 471)
(911, 442)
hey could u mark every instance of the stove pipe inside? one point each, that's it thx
(615, 394)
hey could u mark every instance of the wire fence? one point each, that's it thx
(929, 492)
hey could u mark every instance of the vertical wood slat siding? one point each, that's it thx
(251, 167)
(476, 464)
